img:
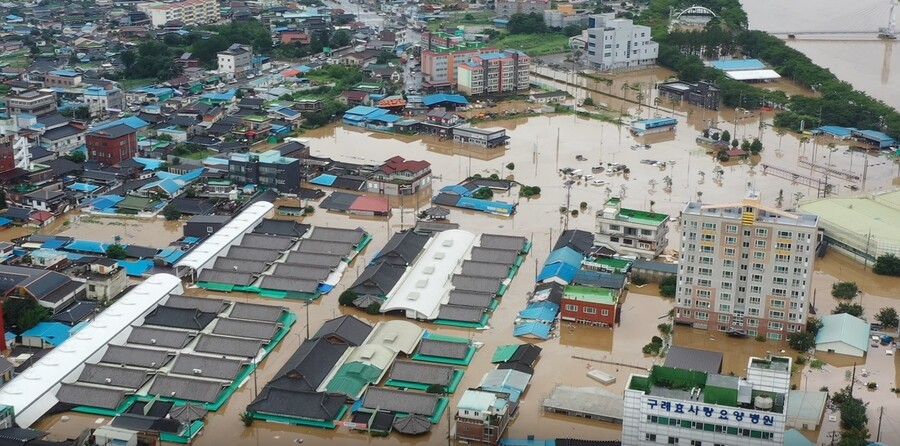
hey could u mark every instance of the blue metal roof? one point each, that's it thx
(149, 163)
(492, 207)
(131, 121)
(443, 97)
(54, 243)
(4, 221)
(456, 189)
(534, 329)
(542, 311)
(53, 333)
(87, 246)
(600, 279)
(361, 110)
(736, 65)
(82, 187)
(835, 130)
(561, 271)
(136, 268)
(323, 180)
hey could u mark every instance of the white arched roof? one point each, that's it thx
(230, 234)
(422, 289)
(33, 393)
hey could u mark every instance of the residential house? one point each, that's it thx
(112, 145)
(702, 93)
(631, 232)
(590, 305)
(493, 137)
(51, 289)
(33, 102)
(482, 416)
(398, 176)
(295, 37)
(105, 280)
(62, 79)
(237, 61)
(202, 226)
(49, 200)
(268, 169)
(64, 138)
(359, 59)
(353, 98)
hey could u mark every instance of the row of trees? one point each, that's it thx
(837, 104)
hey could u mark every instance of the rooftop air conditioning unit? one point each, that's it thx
(198, 371)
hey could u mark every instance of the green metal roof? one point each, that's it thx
(352, 378)
(844, 328)
(650, 218)
(504, 352)
(590, 294)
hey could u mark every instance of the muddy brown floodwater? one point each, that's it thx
(539, 146)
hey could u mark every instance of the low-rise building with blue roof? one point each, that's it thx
(834, 131)
(843, 334)
(446, 100)
(370, 117)
(737, 64)
(561, 266)
(873, 138)
(46, 335)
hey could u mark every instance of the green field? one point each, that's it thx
(534, 44)
(18, 59)
(459, 19)
(128, 84)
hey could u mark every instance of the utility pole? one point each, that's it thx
(880, 416)
(834, 435)
(307, 318)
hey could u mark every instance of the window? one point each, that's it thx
(775, 336)
(730, 240)
(762, 232)
(604, 312)
(570, 307)
(729, 251)
(761, 244)
(731, 229)
(709, 226)
(673, 440)
(209, 229)
(696, 443)
(590, 310)
(650, 437)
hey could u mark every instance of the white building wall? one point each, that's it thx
(842, 348)
(615, 44)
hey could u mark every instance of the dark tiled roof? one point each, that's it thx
(443, 349)
(205, 304)
(186, 388)
(106, 375)
(191, 319)
(159, 337)
(402, 248)
(348, 328)
(230, 346)
(300, 404)
(579, 240)
(206, 366)
(138, 357)
(378, 280)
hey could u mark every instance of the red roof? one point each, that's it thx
(371, 204)
(397, 164)
(736, 152)
(350, 94)
(40, 216)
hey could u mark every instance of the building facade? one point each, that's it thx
(112, 145)
(494, 73)
(684, 407)
(14, 153)
(745, 268)
(268, 169)
(482, 416)
(439, 65)
(703, 93)
(99, 100)
(398, 176)
(617, 44)
(33, 102)
(189, 12)
(590, 305)
(236, 61)
(62, 79)
(631, 232)
(506, 8)
(480, 137)
(105, 280)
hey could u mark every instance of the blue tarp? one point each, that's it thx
(53, 333)
(541, 311)
(104, 201)
(87, 246)
(149, 163)
(4, 221)
(534, 329)
(136, 268)
(191, 240)
(323, 180)
(170, 255)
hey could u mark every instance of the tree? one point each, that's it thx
(801, 341)
(887, 265)
(887, 316)
(844, 290)
(725, 136)
(347, 297)
(756, 146)
(849, 308)
(734, 143)
(855, 436)
(668, 286)
(128, 58)
(75, 157)
(436, 389)
(511, 166)
(23, 313)
(116, 252)
(526, 24)
(813, 325)
(853, 413)
(171, 212)
(572, 30)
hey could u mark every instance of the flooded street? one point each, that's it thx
(871, 65)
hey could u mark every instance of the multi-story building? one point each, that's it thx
(398, 176)
(439, 39)
(506, 8)
(102, 99)
(105, 280)
(189, 12)
(686, 407)
(32, 102)
(112, 145)
(563, 17)
(268, 169)
(745, 268)
(590, 305)
(62, 79)
(630, 231)
(236, 61)
(703, 93)
(483, 416)
(439, 64)
(14, 153)
(494, 73)
(616, 44)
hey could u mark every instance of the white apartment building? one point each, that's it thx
(190, 12)
(492, 73)
(506, 8)
(236, 61)
(631, 232)
(745, 268)
(684, 407)
(617, 44)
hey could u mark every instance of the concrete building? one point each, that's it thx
(494, 73)
(678, 406)
(101, 99)
(860, 226)
(617, 44)
(112, 145)
(105, 280)
(702, 93)
(398, 176)
(631, 232)
(62, 79)
(32, 102)
(745, 268)
(440, 64)
(268, 169)
(506, 8)
(236, 61)
(561, 18)
(492, 137)
(590, 305)
(482, 416)
(189, 12)
(14, 153)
